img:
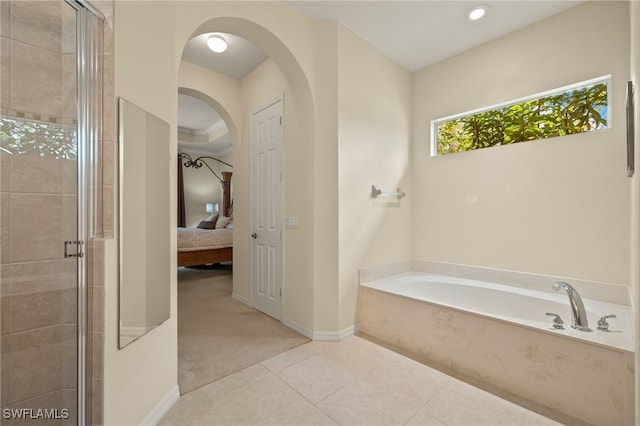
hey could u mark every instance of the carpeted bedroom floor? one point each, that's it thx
(218, 335)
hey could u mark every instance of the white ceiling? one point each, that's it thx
(201, 128)
(194, 114)
(415, 34)
(240, 58)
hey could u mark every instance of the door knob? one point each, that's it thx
(254, 235)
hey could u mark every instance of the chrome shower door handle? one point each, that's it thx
(78, 249)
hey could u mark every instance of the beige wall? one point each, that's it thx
(324, 158)
(374, 112)
(558, 207)
(140, 375)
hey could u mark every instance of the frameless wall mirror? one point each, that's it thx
(144, 221)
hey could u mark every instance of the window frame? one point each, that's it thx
(582, 84)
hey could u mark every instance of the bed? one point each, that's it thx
(198, 246)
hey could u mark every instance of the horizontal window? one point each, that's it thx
(579, 108)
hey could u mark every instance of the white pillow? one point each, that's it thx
(222, 222)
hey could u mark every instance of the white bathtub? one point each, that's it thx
(499, 335)
(512, 304)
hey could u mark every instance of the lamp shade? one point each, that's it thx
(211, 207)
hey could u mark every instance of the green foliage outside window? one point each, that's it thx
(36, 138)
(576, 111)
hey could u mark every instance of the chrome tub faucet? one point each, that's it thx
(578, 313)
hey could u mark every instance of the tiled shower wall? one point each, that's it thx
(37, 211)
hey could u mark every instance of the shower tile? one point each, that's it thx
(96, 397)
(107, 215)
(36, 83)
(5, 171)
(5, 240)
(31, 277)
(69, 79)
(36, 360)
(69, 298)
(70, 215)
(98, 309)
(69, 359)
(69, 274)
(5, 368)
(70, 401)
(50, 400)
(108, 108)
(5, 71)
(69, 30)
(35, 227)
(108, 155)
(97, 369)
(5, 279)
(34, 174)
(98, 264)
(38, 23)
(36, 310)
(69, 177)
(5, 320)
(5, 19)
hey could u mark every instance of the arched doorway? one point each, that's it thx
(298, 165)
(236, 99)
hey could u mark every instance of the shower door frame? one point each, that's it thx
(89, 114)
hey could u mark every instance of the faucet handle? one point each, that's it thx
(603, 325)
(557, 321)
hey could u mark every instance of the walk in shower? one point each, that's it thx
(50, 206)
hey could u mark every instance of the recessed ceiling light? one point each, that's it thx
(217, 44)
(478, 12)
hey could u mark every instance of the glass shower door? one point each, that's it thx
(39, 213)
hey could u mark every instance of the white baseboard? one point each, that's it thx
(297, 327)
(240, 298)
(162, 407)
(322, 336)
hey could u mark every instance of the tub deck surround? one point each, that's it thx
(525, 307)
(605, 292)
(504, 339)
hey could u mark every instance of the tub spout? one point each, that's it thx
(578, 313)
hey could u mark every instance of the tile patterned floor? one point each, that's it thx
(353, 382)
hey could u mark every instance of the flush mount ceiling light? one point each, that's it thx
(478, 12)
(217, 44)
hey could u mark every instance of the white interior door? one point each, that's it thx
(266, 209)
